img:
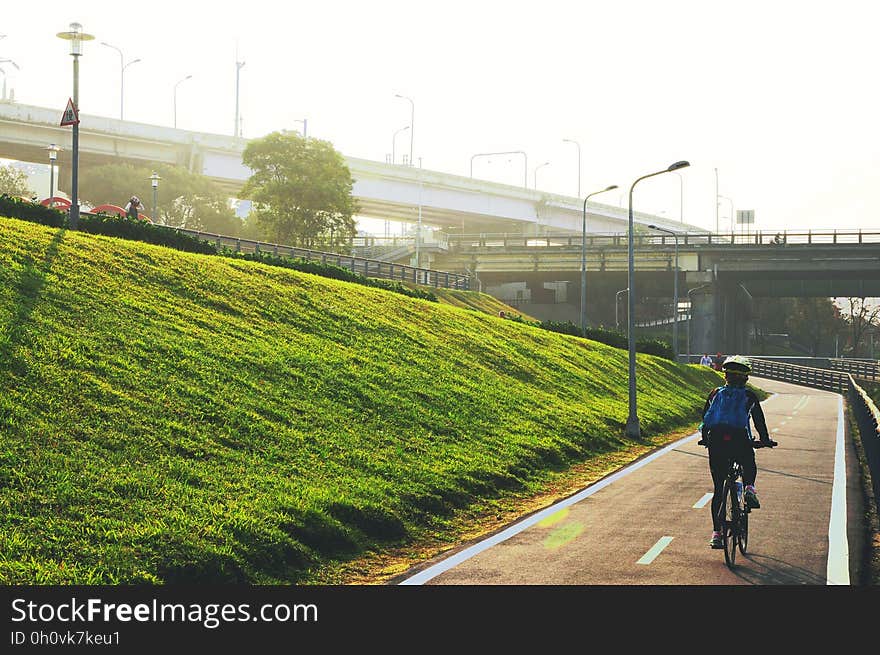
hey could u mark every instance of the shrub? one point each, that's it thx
(31, 211)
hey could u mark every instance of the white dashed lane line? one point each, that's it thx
(702, 501)
(649, 557)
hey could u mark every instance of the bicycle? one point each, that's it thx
(733, 514)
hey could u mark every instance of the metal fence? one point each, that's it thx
(620, 239)
(819, 378)
(368, 267)
(865, 370)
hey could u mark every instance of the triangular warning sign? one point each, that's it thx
(70, 117)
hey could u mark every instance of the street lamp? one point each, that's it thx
(175, 96)
(632, 421)
(512, 152)
(394, 142)
(579, 162)
(412, 114)
(535, 175)
(53, 155)
(238, 67)
(584, 259)
(674, 293)
(680, 197)
(305, 122)
(6, 61)
(616, 303)
(121, 75)
(154, 180)
(732, 228)
(76, 37)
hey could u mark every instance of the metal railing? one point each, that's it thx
(619, 239)
(374, 268)
(866, 370)
(819, 378)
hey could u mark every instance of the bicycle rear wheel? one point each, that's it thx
(743, 537)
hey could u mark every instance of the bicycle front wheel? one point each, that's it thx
(727, 522)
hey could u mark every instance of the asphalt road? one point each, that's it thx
(649, 524)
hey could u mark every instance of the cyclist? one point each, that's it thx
(727, 433)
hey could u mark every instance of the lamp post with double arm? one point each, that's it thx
(632, 421)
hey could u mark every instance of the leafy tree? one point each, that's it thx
(185, 199)
(14, 182)
(301, 188)
(814, 322)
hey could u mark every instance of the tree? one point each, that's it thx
(862, 316)
(14, 182)
(301, 189)
(814, 322)
(186, 199)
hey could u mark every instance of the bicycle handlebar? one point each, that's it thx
(756, 443)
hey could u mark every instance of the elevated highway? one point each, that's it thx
(383, 191)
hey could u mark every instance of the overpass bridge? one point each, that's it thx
(383, 191)
(718, 275)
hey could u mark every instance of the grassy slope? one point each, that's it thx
(175, 417)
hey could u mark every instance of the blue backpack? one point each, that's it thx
(730, 407)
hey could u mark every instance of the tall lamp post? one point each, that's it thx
(584, 259)
(394, 143)
(238, 66)
(305, 122)
(512, 152)
(674, 292)
(412, 115)
(175, 96)
(53, 155)
(632, 421)
(579, 162)
(122, 67)
(76, 37)
(732, 228)
(680, 198)
(535, 175)
(7, 61)
(154, 180)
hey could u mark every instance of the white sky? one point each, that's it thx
(780, 97)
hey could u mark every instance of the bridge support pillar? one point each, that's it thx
(721, 319)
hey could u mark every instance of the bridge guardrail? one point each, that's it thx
(619, 239)
(866, 370)
(819, 378)
(868, 418)
(368, 267)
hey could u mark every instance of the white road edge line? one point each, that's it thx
(656, 549)
(454, 560)
(702, 501)
(837, 572)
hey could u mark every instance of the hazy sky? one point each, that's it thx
(780, 97)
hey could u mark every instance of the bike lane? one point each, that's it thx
(649, 524)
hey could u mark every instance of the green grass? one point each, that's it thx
(174, 417)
